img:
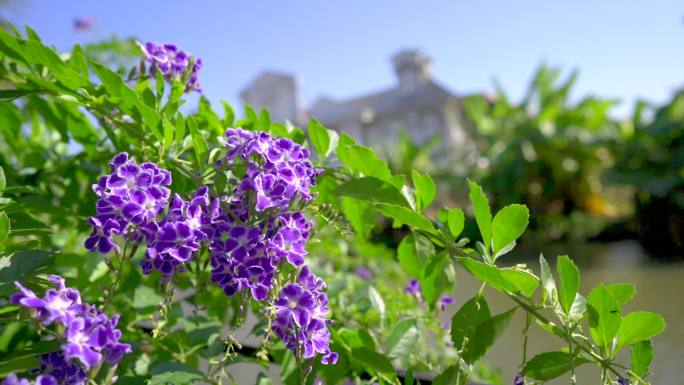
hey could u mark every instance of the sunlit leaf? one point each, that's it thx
(639, 326)
(425, 187)
(508, 225)
(568, 283)
(642, 355)
(604, 315)
(483, 215)
(549, 365)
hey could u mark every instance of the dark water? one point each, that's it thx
(660, 288)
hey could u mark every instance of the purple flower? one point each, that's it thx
(301, 318)
(12, 379)
(241, 261)
(444, 302)
(56, 366)
(413, 288)
(289, 244)
(623, 381)
(101, 238)
(90, 337)
(173, 63)
(364, 273)
(131, 198)
(56, 305)
(519, 379)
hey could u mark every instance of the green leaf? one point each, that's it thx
(642, 355)
(578, 308)
(145, 299)
(228, 114)
(409, 379)
(168, 133)
(425, 187)
(402, 339)
(22, 359)
(549, 365)
(363, 161)
(22, 265)
(448, 376)
(547, 280)
(466, 320)
(407, 216)
(37, 53)
(524, 281)
(263, 379)
(639, 326)
(198, 142)
(455, 221)
(408, 256)
(434, 278)
(264, 120)
(19, 365)
(160, 84)
(12, 332)
(357, 213)
(372, 190)
(376, 362)
(9, 95)
(508, 225)
(483, 216)
(4, 227)
(376, 300)
(485, 335)
(568, 283)
(180, 130)
(604, 316)
(116, 87)
(507, 280)
(100, 270)
(622, 292)
(323, 139)
(78, 62)
(176, 378)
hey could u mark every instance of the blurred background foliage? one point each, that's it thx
(584, 173)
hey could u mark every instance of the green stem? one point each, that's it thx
(605, 364)
(526, 331)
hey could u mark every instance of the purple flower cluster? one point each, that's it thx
(277, 176)
(249, 234)
(247, 257)
(130, 198)
(186, 225)
(90, 337)
(173, 63)
(300, 318)
(279, 171)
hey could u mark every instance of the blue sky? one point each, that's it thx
(624, 49)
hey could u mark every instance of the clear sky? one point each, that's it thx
(624, 49)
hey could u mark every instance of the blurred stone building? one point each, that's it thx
(415, 103)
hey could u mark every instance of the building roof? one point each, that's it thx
(383, 103)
